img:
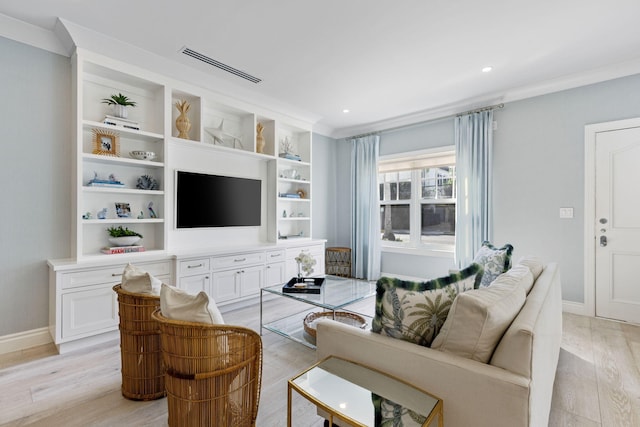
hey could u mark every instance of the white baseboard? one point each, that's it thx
(23, 340)
(574, 308)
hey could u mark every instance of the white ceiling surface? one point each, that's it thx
(387, 62)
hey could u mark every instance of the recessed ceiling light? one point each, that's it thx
(346, 110)
(487, 69)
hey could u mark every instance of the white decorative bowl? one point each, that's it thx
(124, 240)
(143, 155)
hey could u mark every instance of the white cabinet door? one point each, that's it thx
(252, 279)
(275, 274)
(195, 284)
(225, 285)
(89, 312)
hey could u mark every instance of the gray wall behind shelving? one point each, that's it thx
(35, 222)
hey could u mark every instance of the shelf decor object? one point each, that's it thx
(120, 103)
(147, 182)
(142, 155)
(183, 124)
(106, 143)
(259, 138)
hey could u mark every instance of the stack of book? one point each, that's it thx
(290, 195)
(290, 156)
(122, 249)
(120, 122)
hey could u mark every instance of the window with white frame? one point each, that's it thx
(418, 199)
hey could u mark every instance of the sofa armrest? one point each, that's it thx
(473, 393)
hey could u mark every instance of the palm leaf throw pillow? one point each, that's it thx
(415, 311)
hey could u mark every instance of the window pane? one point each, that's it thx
(395, 186)
(395, 220)
(438, 220)
(404, 185)
(438, 183)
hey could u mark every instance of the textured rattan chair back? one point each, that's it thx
(143, 373)
(214, 373)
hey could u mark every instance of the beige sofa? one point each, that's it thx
(513, 389)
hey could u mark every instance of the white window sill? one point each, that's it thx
(440, 253)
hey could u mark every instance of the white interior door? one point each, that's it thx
(617, 224)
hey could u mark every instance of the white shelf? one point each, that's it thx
(293, 199)
(122, 221)
(138, 134)
(222, 149)
(122, 191)
(293, 162)
(296, 181)
(110, 160)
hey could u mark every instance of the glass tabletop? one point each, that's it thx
(364, 395)
(336, 292)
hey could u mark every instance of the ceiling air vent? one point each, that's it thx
(220, 65)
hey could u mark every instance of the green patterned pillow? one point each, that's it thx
(387, 413)
(494, 261)
(415, 311)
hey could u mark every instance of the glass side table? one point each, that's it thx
(359, 396)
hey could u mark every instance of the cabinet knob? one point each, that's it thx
(240, 260)
(116, 274)
(195, 266)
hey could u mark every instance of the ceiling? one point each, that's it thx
(384, 61)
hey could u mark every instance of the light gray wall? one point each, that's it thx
(324, 189)
(36, 181)
(539, 167)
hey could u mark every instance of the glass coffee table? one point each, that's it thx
(336, 293)
(352, 394)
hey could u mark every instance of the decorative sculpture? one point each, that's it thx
(183, 124)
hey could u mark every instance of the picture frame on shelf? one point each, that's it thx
(123, 210)
(106, 143)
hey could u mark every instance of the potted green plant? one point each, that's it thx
(120, 236)
(120, 103)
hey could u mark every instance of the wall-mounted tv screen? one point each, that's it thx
(204, 200)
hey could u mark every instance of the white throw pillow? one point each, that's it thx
(138, 281)
(178, 304)
(518, 275)
(478, 319)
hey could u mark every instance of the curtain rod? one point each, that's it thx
(477, 110)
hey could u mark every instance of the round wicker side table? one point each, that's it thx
(143, 371)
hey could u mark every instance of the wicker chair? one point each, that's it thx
(143, 371)
(214, 373)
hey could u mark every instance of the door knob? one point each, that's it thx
(603, 241)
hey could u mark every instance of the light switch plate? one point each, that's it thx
(566, 212)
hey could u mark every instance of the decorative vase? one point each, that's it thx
(120, 111)
(124, 240)
(183, 124)
(259, 138)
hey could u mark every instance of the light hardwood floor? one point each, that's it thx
(597, 382)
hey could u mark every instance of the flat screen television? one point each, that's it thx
(204, 200)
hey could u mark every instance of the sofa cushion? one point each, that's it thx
(138, 281)
(415, 311)
(477, 320)
(494, 261)
(518, 275)
(178, 304)
(534, 264)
